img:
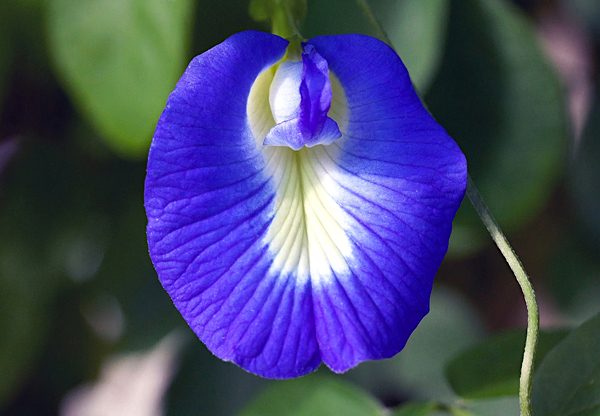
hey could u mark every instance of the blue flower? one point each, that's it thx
(300, 204)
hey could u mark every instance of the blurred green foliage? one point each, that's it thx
(588, 11)
(416, 28)
(584, 174)
(491, 369)
(82, 84)
(5, 55)
(490, 407)
(314, 396)
(33, 269)
(567, 380)
(416, 409)
(451, 325)
(119, 60)
(506, 110)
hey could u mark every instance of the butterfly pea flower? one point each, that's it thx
(300, 200)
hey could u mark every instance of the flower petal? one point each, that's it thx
(399, 179)
(279, 259)
(209, 203)
(316, 93)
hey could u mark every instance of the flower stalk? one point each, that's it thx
(518, 270)
(284, 15)
(526, 377)
(284, 23)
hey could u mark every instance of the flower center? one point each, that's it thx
(300, 98)
(306, 237)
(284, 92)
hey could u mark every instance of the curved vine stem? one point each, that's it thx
(523, 279)
(507, 251)
(285, 16)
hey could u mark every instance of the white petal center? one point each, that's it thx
(307, 236)
(284, 93)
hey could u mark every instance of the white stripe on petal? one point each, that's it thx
(307, 235)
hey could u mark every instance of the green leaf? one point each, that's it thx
(506, 406)
(499, 98)
(567, 382)
(451, 326)
(313, 396)
(572, 277)
(492, 368)
(326, 17)
(416, 409)
(119, 59)
(415, 28)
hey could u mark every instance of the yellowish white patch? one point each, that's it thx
(307, 236)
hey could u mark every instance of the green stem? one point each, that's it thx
(284, 23)
(509, 255)
(528, 293)
(507, 251)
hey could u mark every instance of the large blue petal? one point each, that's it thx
(280, 259)
(400, 179)
(208, 202)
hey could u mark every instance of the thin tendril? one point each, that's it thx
(507, 251)
(284, 22)
(528, 293)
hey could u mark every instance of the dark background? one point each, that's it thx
(81, 85)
